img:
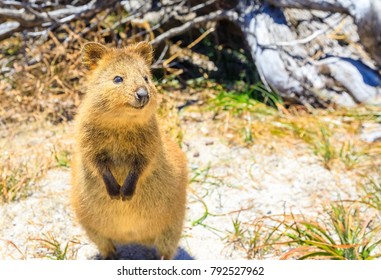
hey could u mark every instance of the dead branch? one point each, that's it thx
(307, 39)
(28, 17)
(215, 16)
(323, 5)
(8, 28)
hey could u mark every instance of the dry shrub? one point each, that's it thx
(42, 74)
(43, 79)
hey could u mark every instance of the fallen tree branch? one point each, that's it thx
(306, 39)
(8, 28)
(294, 75)
(366, 13)
(214, 16)
(202, 5)
(28, 17)
(21, 16)
(322, 5)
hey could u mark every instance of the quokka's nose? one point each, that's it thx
(142, 95)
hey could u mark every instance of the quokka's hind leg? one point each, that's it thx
(105, 245)
(166, 243)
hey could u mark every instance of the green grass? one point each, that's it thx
(201, 221)
(351, 155)
(241, 105)
(260, 114)
(363, 113)
(347, 234)
(237, 104)
(202, 177)
(341, 232)
(62, 157)
(372, 193)
(55, 250)
(16, 178)
(313, 132)
(323, 146)
(260, 93)
(261, 240)
(257, 239)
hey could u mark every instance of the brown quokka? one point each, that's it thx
(128, 179)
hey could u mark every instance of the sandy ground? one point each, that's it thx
(229, 183)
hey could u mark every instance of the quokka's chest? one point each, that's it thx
(125, 149)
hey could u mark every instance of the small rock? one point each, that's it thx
(210, 142)
(371, 133)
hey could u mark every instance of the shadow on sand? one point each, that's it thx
(139, 252)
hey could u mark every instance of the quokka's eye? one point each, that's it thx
(118, 79)
(145, 79)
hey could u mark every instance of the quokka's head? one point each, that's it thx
(119, 80)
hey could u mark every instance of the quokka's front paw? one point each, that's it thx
(128, 188)
(126, 197)
(112, 186)
(115, 197)
(127, 191)
(114, 193)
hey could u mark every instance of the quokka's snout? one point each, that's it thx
(142, 96)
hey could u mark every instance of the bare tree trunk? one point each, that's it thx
(366, 14)
(284, 63)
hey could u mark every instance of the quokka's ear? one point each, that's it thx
(91, 53)
(145, 50)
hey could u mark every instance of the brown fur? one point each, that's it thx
(128, 178)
